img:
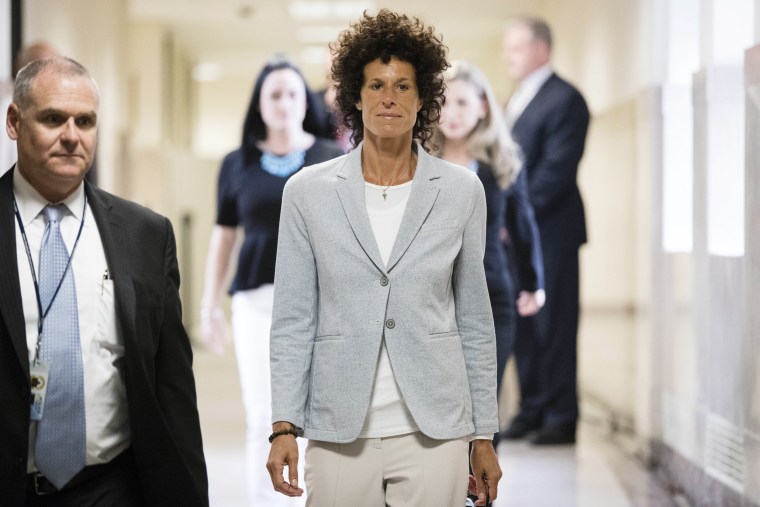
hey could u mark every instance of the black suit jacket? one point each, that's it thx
(551, 132)
(165, 430)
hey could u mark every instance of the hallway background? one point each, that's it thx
(670, 334)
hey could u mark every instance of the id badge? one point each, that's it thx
(39, 373)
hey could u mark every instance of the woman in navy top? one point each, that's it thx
(279, 138)
(471, 132)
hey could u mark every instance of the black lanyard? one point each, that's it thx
(43, 314)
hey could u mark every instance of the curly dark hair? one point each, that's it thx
(383, 36)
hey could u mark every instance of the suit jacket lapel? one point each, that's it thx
(117, 249)
(421, 199)
(11, 306)
(351, 194)
(537, 98)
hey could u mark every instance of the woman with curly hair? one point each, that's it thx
(472, 133)
(382, 347)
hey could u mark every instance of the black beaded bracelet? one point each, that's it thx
(289, 431)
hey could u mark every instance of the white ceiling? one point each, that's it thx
(235, 33)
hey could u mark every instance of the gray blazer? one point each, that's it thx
(335, 299)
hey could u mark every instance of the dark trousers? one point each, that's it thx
(546, 346)
(114, 484)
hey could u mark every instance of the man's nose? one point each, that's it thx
(70, 131)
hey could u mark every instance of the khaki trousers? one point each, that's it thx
(402, 471)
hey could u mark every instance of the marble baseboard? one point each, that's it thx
(685, 479)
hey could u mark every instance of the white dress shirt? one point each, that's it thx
(526, 92)
(106, 415)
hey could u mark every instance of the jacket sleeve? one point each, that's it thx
(553, 176)
(175, 384)
(294, 312)
(524, 239)
(474, 317)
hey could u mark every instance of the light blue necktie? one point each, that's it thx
(61, 445)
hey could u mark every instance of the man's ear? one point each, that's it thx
(12, 119)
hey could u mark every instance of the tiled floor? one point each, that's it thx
(594, 473)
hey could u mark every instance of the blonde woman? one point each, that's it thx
(472, 133)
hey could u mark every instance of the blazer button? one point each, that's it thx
(384, 281)
(390, 323)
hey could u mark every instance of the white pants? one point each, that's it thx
(251, 320)
(404, 471)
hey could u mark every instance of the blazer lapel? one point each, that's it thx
(421, 199)
(11, 306)
(535, 101)
(117, 249)
(351, 194)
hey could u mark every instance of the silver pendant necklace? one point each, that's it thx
(385, 190)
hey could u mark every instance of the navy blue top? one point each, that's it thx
(495, 259)
(510, 210)
(251, 197)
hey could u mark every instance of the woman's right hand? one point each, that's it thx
(214, 329)
(284, 454)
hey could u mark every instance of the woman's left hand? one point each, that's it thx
(529, 303)
(486, 471)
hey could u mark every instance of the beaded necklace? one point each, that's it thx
(283, 165)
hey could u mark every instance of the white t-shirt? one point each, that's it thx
(388, 415)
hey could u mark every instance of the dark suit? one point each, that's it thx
(551, 132)
(165, 431)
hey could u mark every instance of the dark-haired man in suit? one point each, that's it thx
(549, 120)
(96, 383)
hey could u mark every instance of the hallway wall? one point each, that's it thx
(690, 370)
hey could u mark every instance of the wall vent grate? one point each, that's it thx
(725, 458)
